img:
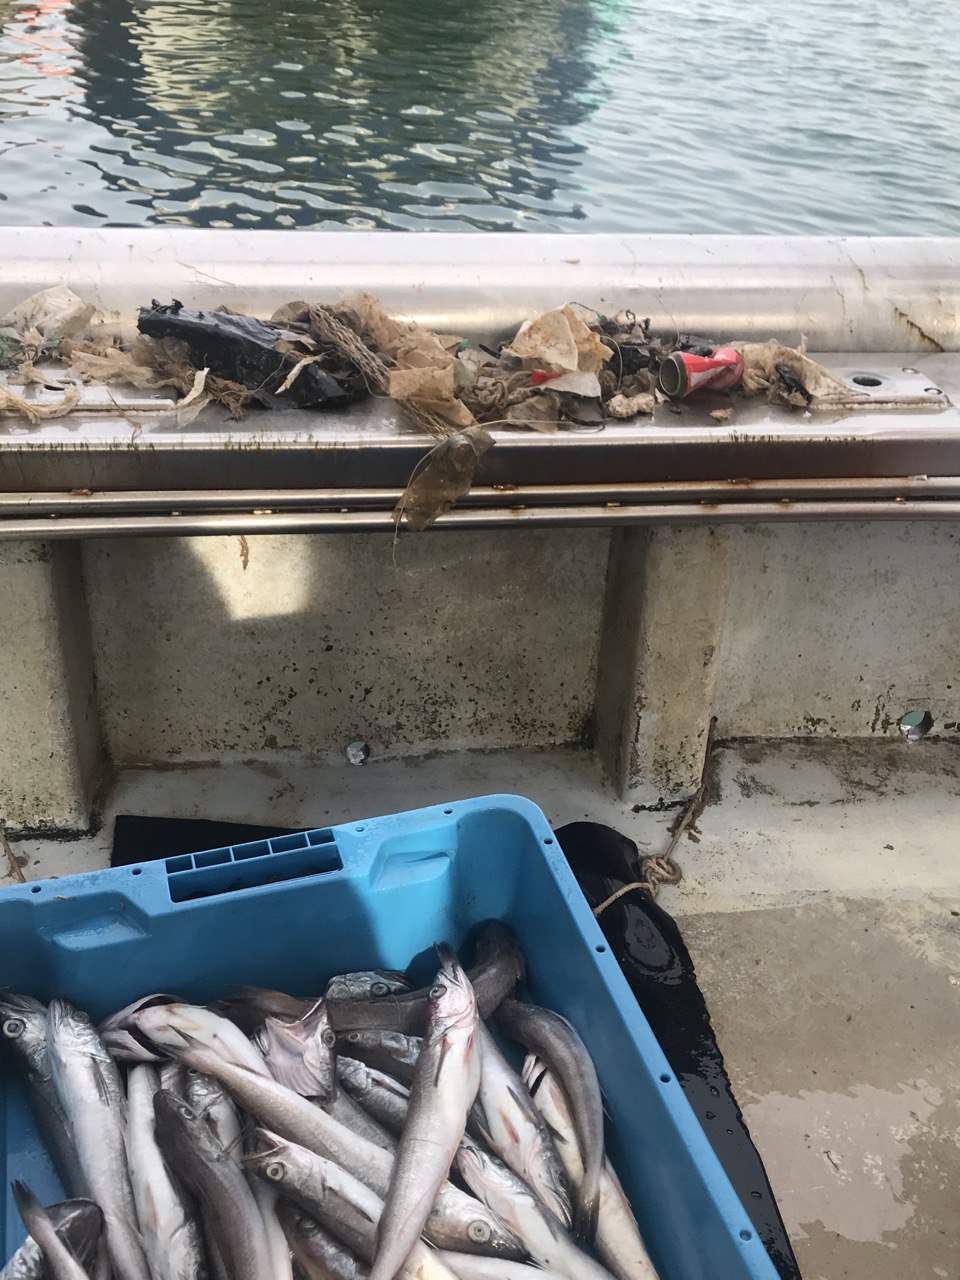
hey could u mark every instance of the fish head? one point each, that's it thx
(201, 1091)
(123, 1017)
(179, 1125)
(452, 998)
(80, 1223)
(472, 1160)
(23, 1024)
(271, 1158)
(69, 1027)
(129, 1044)
(354, 1073)
(366, 984)
(301, 1054)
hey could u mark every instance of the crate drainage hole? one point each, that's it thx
(601, 948)
(137, 871)
(448, 811)
(35, 889)
(664, 1079)
(746, 1235)
(867, 380)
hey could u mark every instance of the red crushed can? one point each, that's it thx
(682, 372)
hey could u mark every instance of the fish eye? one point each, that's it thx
(437, 990)
(274, 1171)
(13, 1028)
(479, 1232)
(379, 989)
(328, 1037)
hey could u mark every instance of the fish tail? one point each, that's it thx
(34, 1215)
(586, 1214)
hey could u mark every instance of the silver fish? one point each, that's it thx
(172, 1078)
(340, 1201)
(366, 984)
(123, 1042)
(473, 1266)
(79, 1223)
(212, 1103)
(169, 1229)
(91, 1094)
(61, 1263)
(301, 1054)
(318, 1255)
(540, 1231)
(444, 1089)
(268, 1200)
(351, 1114)
(516, 1130)
(547, 1034)
(498, 969)
(227, 1203)
(618, 1242)
(164, 1026)
(248, 1006)
(389, 1051)
(379, 1094)
(23, 1024)
(458, 1221)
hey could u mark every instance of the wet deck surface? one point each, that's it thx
(822, 908)
(821, 903)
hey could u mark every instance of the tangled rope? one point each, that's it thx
(329, 328)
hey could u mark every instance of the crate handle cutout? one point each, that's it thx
(249, 866)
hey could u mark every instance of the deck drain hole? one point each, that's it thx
(915, 724)
(867, 380)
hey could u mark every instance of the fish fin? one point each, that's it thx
(35, 1217)
(555, 1134)
(100, 1080)
(28, 1205)
(444, 1050)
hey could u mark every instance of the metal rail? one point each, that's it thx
(266, 501)
(373, 521)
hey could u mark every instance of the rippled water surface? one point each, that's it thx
(597, 115)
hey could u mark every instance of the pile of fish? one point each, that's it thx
(374, 1131)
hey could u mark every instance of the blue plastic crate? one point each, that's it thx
(291, 911)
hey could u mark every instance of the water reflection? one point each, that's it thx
(606, 115)
(359, 112)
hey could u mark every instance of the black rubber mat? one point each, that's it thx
(137, 839)
(656, 963)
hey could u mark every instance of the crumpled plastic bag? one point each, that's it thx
(40, 321)
(541, 412)
(561, 341)
(820, 389)
(426, 372)
(443, 476)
